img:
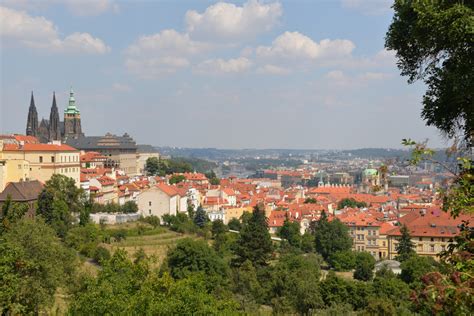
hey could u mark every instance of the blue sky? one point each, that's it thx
(246, 74)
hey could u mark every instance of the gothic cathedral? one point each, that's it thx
(53, 129)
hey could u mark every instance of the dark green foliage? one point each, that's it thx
(247, 286)
(331, 237)
(218, 228)
(84, 239)
(342, 260)
(254, 242)
(336, 290)
(179, 223)
(58, 200)
(177, 178)
(200, 218)
(126, 288)
(307, 242)
(234, 224)
(195, 256)
(11, 212)
(434, 42)
(389, 287)
(405, 245)
(127, 207)
(161, 167)
(213, 179)
(295, 284)
(101, 255)
(415, 267)
(290, 231)
(380, 307)
(33, 264)
(349, 202)
(310, 201)
(364, 266)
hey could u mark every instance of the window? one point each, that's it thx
(52, 159)
(432, 248)
(432, 239)
(149, 212)
(420, 239)
(149, 203)
(383, 243)
(19, 166)
(41, 159)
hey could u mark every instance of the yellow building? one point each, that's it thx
(41, 161)
(236, 212)
(15, 170)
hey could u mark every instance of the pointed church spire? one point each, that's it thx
(32, 121)
(54, 125)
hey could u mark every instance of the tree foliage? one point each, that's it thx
(405, 247)
(200, 218)
(254, 241)
(349, 202)
(331, 237)
(364, 266)
(33, 264)
(434, 42)
(161, 167)
(290, 231)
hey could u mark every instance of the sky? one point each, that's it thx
(245, 74)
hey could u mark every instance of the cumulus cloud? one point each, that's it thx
(221, 66)
(295, 45)
(39, 33)
(164, 52)
(229, 22)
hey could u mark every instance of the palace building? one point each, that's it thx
(54, 129)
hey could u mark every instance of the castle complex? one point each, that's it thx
(54, 129)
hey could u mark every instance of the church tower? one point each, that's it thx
(72, 119)
(32, 122)
(54, 125)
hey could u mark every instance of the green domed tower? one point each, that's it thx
(72, 119)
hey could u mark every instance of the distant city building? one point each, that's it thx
(54, 129)
(120, 151)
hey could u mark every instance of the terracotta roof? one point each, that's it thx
(22, 191)
(167, 189)
(38, 147)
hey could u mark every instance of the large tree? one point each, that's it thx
(405, 245)
(200, 218)
(290, 231)
(331, 237)
(434, 42)
(33, 264)
(254, 243)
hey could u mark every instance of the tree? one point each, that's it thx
(310, 201)
(58, 200)
(200, 219)
(331, 237)
(349, 202)
(415, 267)
(364, 266)
(195, 256)
(342, 260)
(405, 245)
(11, 212)
(434, 43)
(218, 228)
(33, 264)
(234, 224)
(152, 166)
(129, 207)
(290, 231)
(177, 178)
(254, 243)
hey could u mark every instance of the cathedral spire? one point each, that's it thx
(54, 125)
(71, 108)
(32, 121)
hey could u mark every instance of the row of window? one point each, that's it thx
(67, 170)
(63, 159)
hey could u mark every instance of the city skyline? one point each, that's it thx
(278, 75)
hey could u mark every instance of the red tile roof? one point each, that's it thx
(38, 147)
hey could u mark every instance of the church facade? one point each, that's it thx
(54, 129)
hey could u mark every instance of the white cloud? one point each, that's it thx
(228, 22)
(272, 70)
(40, 33)
(164, 52)
(221, 66)
(294, 45)
(368, 7)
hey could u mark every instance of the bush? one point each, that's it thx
(343, 260)
(234, 224)
(364, 266)
(101, 254)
